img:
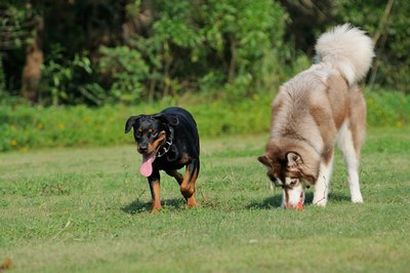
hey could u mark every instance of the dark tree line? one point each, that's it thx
(96, 52)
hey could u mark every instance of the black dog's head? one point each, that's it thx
(150, 131)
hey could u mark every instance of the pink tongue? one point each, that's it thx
(146, 167)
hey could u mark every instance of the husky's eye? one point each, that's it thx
(293, 181)
(277, 181)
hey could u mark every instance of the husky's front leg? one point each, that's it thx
(322, 185)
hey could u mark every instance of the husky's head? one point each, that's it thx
(292, 165)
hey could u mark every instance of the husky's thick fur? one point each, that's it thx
(316, 109)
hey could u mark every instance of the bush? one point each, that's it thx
(388, 108)
(188, 47)
(126, 71)
(25, 127)
(67, 81)
(142, 50)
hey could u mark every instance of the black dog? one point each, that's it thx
(167, 141)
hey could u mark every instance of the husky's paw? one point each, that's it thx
(320, 203)
(358, 199)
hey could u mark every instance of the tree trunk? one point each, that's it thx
(232, 62)
(32, 69)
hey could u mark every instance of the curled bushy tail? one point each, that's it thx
(348, 49)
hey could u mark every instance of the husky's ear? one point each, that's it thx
(165, 118)
(130, 122)
(293, 160)
(265, 161)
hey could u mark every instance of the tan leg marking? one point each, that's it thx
(187, 186)
(155, 194)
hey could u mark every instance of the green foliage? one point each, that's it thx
(198, 46)
(13, 24)
(189, 46)
(390, 108)
(24, 127)
(65, 81)
(134, 51)
(251, 31)
(126, 69)
(391, 67)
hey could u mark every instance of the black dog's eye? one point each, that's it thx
(139, 133)
(151, 133)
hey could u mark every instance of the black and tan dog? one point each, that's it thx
(167, 141)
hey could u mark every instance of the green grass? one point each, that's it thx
(85, 210)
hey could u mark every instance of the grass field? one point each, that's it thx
(85, 210)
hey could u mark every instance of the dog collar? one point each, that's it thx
(167, 145)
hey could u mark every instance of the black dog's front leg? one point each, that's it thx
(178, 177)
(154, 185)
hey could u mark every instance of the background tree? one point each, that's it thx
(95, 52)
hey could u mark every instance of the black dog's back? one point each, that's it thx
(186, 130)
(180, 112)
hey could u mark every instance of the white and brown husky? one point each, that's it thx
(313, 111)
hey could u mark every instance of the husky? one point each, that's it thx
(315, 110)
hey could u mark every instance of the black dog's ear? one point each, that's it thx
(130, 122)
(165, 118)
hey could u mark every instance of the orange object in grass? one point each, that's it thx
(299, 206)
(6, 264)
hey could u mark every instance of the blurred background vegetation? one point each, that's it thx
(222, 58)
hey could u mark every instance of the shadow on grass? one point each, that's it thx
(275, 201)
(338, 197)
(139, 207)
